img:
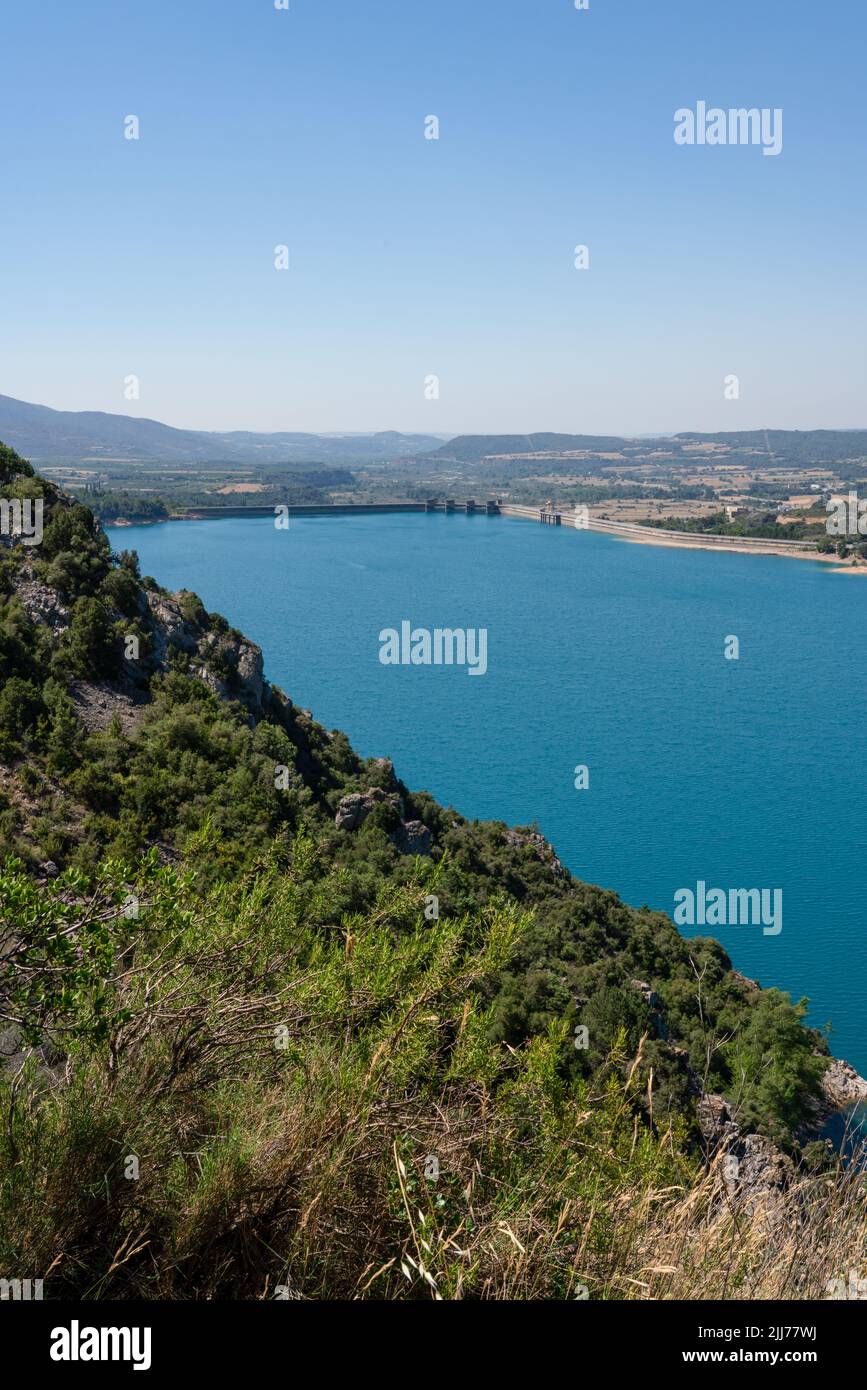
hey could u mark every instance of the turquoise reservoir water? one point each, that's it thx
(742, 774)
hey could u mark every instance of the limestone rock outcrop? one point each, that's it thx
(409, 837)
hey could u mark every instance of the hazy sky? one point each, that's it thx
(452, 257)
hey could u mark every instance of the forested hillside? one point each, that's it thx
(275, 1021)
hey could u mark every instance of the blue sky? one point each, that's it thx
(411, 257)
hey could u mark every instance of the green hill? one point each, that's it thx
(272, 1019)
(796, 448)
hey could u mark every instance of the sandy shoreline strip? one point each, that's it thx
(731, 547)
(632, 533)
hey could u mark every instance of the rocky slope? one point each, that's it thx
(150, 722)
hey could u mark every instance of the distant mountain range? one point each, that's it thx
(799, 448)
(90, 436)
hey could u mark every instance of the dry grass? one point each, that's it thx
(385, 1149)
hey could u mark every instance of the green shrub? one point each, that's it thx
(20, 707)
(88, 648)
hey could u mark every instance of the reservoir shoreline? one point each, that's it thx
(717, 750)
(630, 532)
